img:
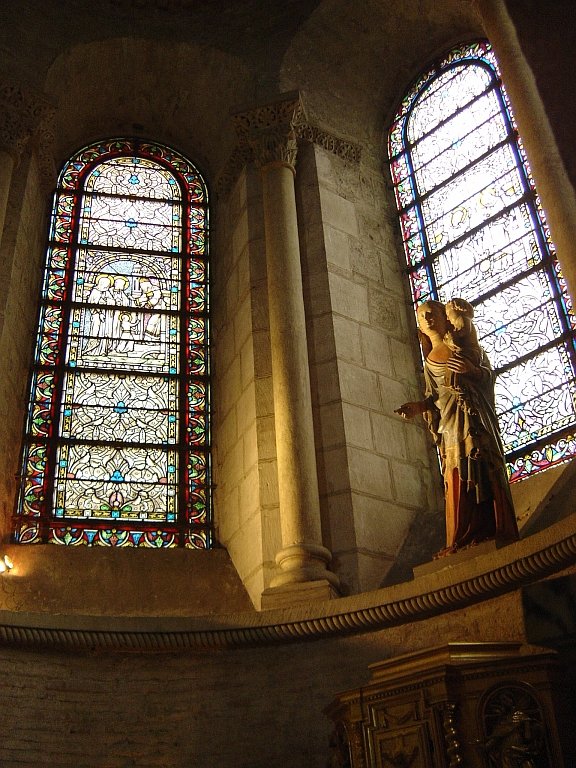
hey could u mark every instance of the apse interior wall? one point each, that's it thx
(251, 708)
(21, 258)
(375, 471)
(245, 478)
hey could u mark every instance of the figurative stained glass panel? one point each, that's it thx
(117, 440)
(472, 226)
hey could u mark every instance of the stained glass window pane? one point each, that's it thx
(472, 226)
(117, 439)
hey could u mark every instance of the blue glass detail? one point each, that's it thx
(117, 476)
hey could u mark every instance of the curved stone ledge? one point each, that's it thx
(454, 587)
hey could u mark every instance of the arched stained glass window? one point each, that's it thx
(116, 450)
(472, 226)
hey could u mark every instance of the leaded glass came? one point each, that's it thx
(472, 226)
(117, 440)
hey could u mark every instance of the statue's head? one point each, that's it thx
(460, 313)
(431, 317)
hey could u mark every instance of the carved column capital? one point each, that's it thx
(22, 114)
(270, 131)
(13, 135)
(27, 117)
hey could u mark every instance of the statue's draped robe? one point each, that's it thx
(462, 420)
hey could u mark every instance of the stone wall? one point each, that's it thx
(245, 493)
(184, 68)
(378, 477)
(21, 256)
(375, 469)
(254, 708)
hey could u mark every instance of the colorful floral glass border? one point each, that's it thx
(117, 441)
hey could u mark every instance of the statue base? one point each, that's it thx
(449, 561)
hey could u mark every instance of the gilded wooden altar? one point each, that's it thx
(475, 705)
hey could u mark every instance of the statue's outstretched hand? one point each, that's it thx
(409, 410)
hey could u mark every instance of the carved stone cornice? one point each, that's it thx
(239, 159)
(271, 133)
(44, 139)
(347, 150)
(516, 565)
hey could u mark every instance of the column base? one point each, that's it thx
(300, 592)
(302, 576)
(304, 563)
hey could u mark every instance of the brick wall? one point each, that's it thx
(253, 708)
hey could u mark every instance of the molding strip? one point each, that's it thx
(346, 616)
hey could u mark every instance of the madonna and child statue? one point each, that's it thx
(458, 407)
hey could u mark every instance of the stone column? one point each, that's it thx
(554, 187)
(302, 561)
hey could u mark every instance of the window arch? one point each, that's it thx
(472, 226)
(116, 446)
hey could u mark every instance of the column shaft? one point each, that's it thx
(302, 558)
(297, 475)
(554, 187)
(303, 573)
